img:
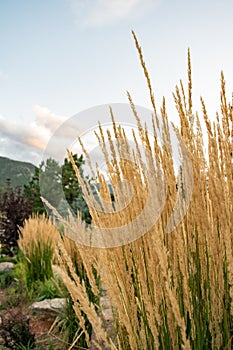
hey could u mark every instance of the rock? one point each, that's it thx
(106, 309)
(55, 304)
(6, 266)
(104, 302)
(107, 319)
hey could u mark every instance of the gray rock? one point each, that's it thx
(106, 309)
(6, 266)
(55, 304)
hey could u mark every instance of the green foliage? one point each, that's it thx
(15, 208)
(28, 346)
(5, 258)
(72, 189)
(68, 326)
(49, 289)
(61, 183)
(6, 278)
(14, 296)
(50, 181)
(35, 260)
(46, 179)
(32, 189)
(37, 267)
(70, 183)
(80, 205)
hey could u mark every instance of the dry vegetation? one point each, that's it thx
(167, 290)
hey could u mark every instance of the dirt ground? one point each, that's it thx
(39, 324)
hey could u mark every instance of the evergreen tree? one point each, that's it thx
(72, 189)
(33, 190)
(50, 181)
(70, 182)
(58, 184)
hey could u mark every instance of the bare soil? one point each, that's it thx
(40, 324)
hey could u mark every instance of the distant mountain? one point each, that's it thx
(20, 173)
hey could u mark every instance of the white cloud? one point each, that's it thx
(31, 138)
(92, 13)
(47, 119)
(28, 141)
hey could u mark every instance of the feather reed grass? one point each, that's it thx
(166, 290)
(37, 241)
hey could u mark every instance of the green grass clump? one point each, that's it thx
(36, 242)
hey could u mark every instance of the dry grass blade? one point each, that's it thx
(166, 291)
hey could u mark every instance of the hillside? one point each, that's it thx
(20, 173)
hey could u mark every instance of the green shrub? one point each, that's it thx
(6, 278)
(48, 289)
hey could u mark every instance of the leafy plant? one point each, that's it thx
(15, 208)
(52, 178)
(48, 289)
(6, 278)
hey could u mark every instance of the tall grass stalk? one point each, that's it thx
(167, 290)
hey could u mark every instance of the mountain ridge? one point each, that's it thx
(19, 172)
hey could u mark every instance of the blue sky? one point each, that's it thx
(60, 57)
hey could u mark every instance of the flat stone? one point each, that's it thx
(6, 266)
(55, 304)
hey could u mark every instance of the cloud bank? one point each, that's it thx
(27, 141)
